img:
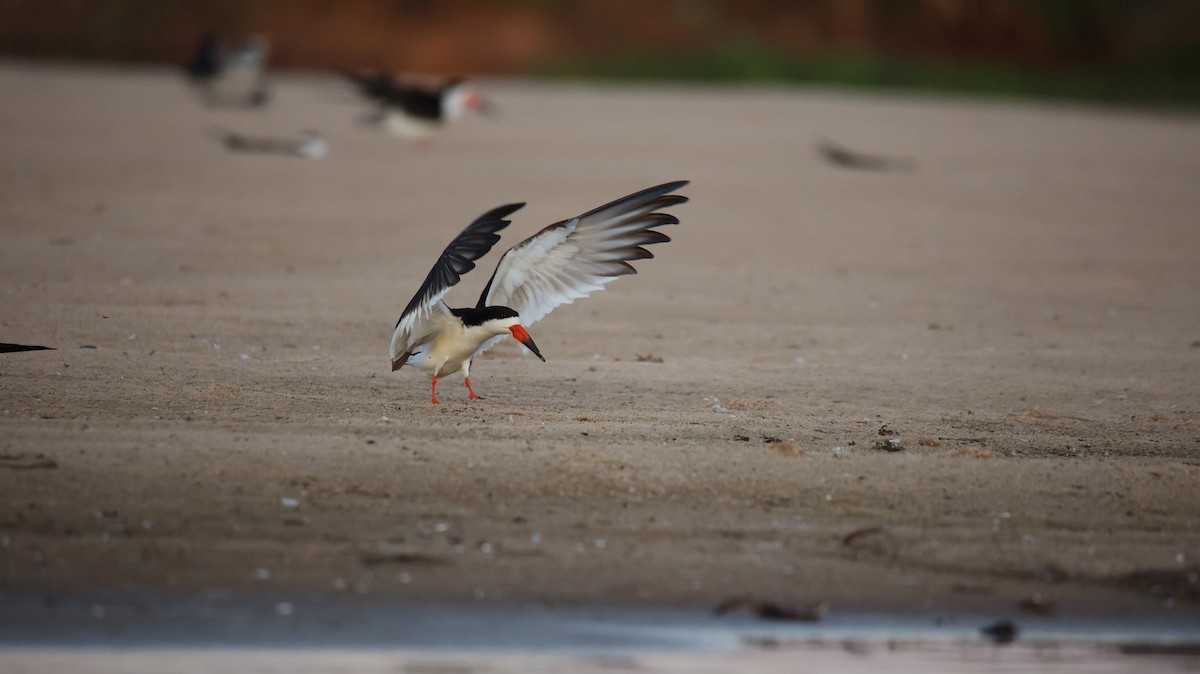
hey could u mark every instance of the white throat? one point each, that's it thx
(454, 101)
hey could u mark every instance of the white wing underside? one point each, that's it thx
(418, 327)
(557, 278)
(575, 258)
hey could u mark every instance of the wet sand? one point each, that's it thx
(1019, 312)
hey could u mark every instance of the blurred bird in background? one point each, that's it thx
(231, 77)
(416, 109)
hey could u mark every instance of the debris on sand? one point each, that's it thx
(26, 462)
(1047, 573)
(875, 540)
(1038, 414)
(894, 444)
(308, 144)
(1001, 632)
(1036, 603)
(784, 449)
(768, 610)
(845, 158)
(649, 358)
(1181, 583)
(779, 446)
(402, 558)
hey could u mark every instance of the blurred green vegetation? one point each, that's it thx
(1168, 79)
(1133, 52)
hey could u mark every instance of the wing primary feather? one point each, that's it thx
(636, 199)
(572, 258)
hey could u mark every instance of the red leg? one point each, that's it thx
(435, 400)
(474, 396)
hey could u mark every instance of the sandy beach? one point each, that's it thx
(1018, 317)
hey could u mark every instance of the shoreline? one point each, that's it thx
(363, 622)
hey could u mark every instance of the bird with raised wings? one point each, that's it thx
(558, 265)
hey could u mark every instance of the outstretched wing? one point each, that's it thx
(574, 258)
(458, 259)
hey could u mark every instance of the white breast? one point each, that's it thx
(453, 346)
(399, 123)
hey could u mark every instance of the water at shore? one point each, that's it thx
(106, 633)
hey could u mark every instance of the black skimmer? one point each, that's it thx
(558, 265)
(309, 144)
(231, 77)
(846, 158)
(206, 59)
(416, 109)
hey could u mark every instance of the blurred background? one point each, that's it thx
(1126, 51)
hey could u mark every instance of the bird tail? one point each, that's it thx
(399, 361)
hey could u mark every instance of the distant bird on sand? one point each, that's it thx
(231, 77)
(845, 158)
(416, 109)
(558, 265)
(206, 58)
(309, 144)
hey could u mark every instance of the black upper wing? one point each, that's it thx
(413, 326)
(418, 102)
(459, 257)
